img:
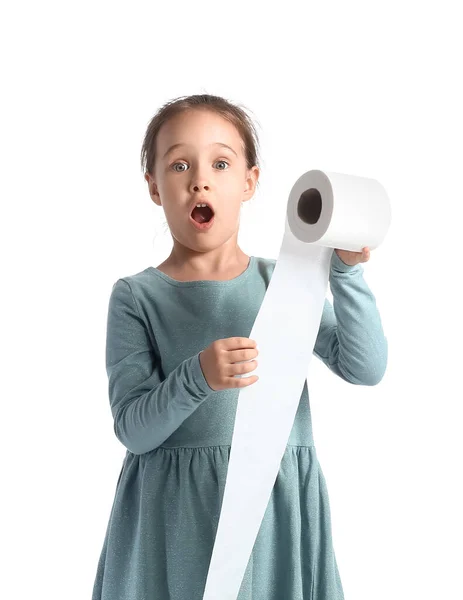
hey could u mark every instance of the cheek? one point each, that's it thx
(232, 192)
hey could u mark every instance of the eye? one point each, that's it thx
(182, 163)
(178, 163)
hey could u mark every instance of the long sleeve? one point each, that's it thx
(146, 409)
(351, 341)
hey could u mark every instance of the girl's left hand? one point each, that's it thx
(353, 258)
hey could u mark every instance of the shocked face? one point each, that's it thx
(200, 161)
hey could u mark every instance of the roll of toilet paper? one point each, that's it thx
(325, 210)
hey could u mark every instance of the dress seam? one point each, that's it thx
(225, 446)
(134, 299)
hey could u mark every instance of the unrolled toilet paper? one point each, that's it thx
(325, 210)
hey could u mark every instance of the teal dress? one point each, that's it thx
(177, 431)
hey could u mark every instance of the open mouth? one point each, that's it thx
(202, 214)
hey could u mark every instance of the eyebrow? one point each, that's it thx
(213, 144)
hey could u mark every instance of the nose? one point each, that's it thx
(199, 181)
(196, 187)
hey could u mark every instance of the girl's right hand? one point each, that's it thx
(218, 363)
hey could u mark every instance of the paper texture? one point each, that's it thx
(325, 210)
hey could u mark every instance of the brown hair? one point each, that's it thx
(236, 114)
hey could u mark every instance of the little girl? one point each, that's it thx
(176, 334)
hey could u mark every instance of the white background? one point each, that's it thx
(363, 88)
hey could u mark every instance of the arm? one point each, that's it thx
(351, 341)
(145, 408)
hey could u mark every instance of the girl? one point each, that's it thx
(176, 334)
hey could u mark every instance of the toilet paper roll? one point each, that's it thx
(325, 210)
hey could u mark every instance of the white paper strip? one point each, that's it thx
(325, 211)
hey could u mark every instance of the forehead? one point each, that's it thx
(198, 128)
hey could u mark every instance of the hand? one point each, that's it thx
(221, 361)
(353, 258)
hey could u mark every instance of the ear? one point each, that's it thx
(153, 189)
(251, 182)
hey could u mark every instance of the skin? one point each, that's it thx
(197, 170)
(353, 258)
